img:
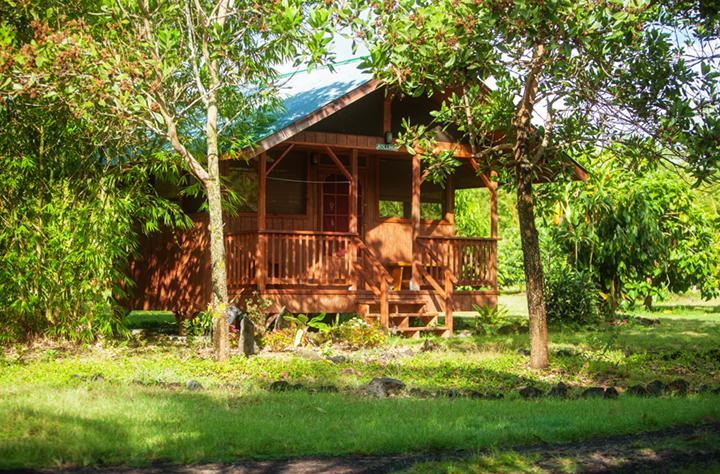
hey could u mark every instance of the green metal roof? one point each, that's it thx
(305, 91)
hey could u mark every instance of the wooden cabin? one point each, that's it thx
(336, 218)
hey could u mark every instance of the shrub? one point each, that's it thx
(355, 333)
(279, 340)
(200, 325)
(570, 296)
(493, 320)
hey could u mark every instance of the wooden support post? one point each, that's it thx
(415, 218)
(493, 211)
(353, 213)
(384, 304)
(450, 200)
(261, 263)
(387, 115)
(354, 185)
(448, 304)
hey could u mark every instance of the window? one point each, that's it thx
(242, 182)
(287, 186)
(396, 192)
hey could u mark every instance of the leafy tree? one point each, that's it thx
(75, 196)
(196, 75)
(639, 232)
(594, 71)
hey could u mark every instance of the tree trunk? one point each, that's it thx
(533, 273)
(219, 277)
(524, 167)
(221, 331)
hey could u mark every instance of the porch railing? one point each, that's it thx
(240, 250)
(472, 261)
(309, 258)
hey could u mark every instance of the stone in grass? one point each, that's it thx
(559, 391)
(308, 354)
(428, 346)
(280, 386)
(193, 385)
(337, 359)
(611, 393)
(530, 392)
(593, 392)
(451, 393)
(484, 395)
(419, 393)
(384, 387)
(655, 388)
(637, 390)
(678, 387)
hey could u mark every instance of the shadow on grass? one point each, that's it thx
(113, 425)
(161, 322)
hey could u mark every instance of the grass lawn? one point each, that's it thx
(126, 402)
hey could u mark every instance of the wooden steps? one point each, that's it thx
(407, 314)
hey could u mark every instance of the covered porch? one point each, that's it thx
(367, 239)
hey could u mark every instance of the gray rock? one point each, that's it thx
(428, 346)
(655, 388)
(193, 385)
(530, 392)
(484, 395)
(451, 393)
(678, 387)
(419, 393)
(611, 393)
(280, 386)
(384, 387)
(559, 391)
(593, 392)
(638, 391)
(308, 354)
(337, 359)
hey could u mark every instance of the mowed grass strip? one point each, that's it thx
(103, 424)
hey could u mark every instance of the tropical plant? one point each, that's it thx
(493, 320)
(76, 192)
(303, 323)
(639, 233)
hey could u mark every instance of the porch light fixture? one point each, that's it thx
(388, 138)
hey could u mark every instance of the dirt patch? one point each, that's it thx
(661, 451)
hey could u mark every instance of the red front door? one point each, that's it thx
(336, 204)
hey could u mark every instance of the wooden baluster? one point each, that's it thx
(384, 305)
(448, 305)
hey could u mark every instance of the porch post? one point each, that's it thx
(261, 256)
(353, 215)
(353, 210)
(493, 211)
(493, 233)
(415, 217)
(450, 200)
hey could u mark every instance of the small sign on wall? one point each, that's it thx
(386, 147)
